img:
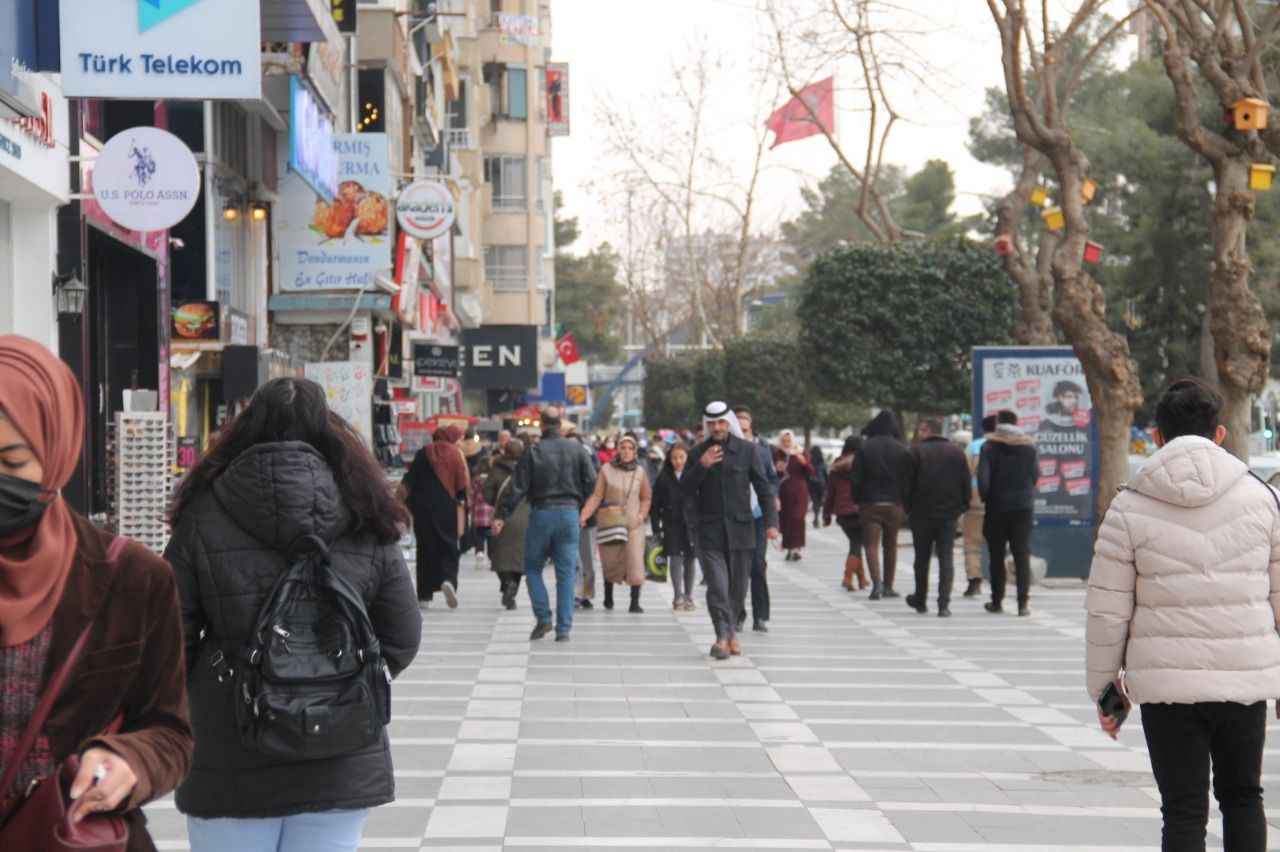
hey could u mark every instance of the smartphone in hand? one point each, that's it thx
(1112, 703)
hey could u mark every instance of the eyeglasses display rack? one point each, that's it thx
(141, 454)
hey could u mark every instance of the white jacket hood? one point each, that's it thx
(1189, 471)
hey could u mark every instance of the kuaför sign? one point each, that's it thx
(179, 49)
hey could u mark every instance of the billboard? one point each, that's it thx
(500, 356)
(557, 99)
(338, 244)
(1046, 388)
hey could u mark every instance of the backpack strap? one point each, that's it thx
(1274, 496)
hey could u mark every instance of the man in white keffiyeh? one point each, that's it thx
(723, 471)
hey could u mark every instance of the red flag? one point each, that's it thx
(568, 349)
(805, 115)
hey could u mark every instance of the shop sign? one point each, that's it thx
(188, 454)
(151, 49)
(518, 29)
(8, 146)
(344, 15)
(312, 154)
(196, 321)
(557, 99)
(146, 179)
(1046, 388)
(237, 328)
(436, 361)
(576, 395)
(343, 243)
(500, 356)
(425, 209)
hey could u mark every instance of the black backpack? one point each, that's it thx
(311, 682)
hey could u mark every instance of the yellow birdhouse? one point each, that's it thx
(1054, 219)
(1250, 114)
(1088, 190)
(1039, 196)
(1260, 176)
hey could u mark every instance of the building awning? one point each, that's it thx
(302, 21)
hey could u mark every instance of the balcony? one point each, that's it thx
(460, 138)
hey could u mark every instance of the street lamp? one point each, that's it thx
(69, 295)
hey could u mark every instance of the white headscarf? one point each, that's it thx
(720, 411)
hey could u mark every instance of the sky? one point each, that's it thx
(622, 54)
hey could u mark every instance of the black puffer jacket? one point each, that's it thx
(882, 469)
(227, 551)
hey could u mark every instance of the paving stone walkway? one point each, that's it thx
(851, 725)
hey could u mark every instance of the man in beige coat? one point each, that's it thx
(1184, 602)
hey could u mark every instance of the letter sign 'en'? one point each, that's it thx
(500, 357)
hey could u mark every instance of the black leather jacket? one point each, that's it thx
(555, 472)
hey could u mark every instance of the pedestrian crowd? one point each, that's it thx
(249, 669)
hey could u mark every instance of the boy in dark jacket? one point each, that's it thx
(939, 493)
(1007, 473)
(881, 472)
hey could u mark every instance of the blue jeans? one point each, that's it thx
(555, 533)
(329, 831)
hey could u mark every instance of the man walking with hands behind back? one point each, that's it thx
(722, 473)
(557, 478)
(1184, 600)
(938, 495)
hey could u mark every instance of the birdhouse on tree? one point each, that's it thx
(1088, 190)
(1250, 114)
(1004, 245)
(1260, 176)
(1092, 252)
(1054, 219)
(1039, 196)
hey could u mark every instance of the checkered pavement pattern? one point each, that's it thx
(851, 725)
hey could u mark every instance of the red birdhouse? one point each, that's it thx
(1004, 245)
(1092, 252)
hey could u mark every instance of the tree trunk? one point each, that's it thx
(1208, 367)
(1241, 333)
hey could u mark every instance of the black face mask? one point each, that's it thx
(21, 506)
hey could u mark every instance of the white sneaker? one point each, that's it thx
(450, 595)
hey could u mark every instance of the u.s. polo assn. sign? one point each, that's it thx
(146, 179)
(425, 209)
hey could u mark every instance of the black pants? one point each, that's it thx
(1009, 531)
(1181, 739)
(927, 536)
(759, 577)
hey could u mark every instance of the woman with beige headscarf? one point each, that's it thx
(621, 501)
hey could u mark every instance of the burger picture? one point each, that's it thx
(196, 321)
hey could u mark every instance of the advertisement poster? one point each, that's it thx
(1046, 388)
(349, 389)
(343, 244)
(196, 320)
(557, 99)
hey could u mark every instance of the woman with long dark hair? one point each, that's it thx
(71, 594)
(285, 472)
(675, 516)
(436, 489)
(841, 502)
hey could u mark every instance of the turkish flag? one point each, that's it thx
(568, 349)
(805, 115)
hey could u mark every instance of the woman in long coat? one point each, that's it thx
(818, 482)
(793, 493)
(506, 550)
(623, 483)
(436, 490)
(674, 518)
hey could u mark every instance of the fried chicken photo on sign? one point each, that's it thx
(373, 212)
(333, 219)
(350, 192)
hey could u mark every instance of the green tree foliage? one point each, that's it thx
(590, 301)
(924, 206)
(894, 326)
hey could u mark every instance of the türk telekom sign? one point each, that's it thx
(180, 49)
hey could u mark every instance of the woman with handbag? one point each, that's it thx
(506, 550)
(93, 721)
(620, 504)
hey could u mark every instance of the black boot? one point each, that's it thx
(608, 595)
(975, 587)
(635, 600)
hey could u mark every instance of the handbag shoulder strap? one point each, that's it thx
(53, 689)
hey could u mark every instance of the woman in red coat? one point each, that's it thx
(796, 471)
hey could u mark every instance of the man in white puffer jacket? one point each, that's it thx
(1184, 601)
